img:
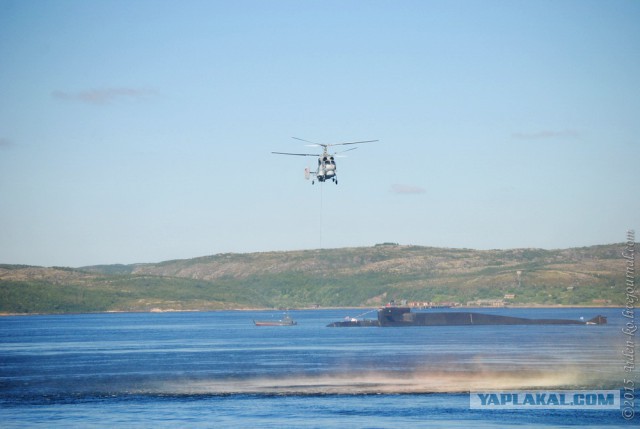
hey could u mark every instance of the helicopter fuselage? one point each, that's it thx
(326, 169)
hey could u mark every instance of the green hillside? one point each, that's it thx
(367, 276)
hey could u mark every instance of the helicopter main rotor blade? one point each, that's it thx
(346, 150)
(333, 144)
(296, 154)
(307, 141)
(363, 141)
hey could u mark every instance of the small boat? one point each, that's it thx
(355, 321)
(285, 321)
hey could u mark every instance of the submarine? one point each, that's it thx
(402, 316)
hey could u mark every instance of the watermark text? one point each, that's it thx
(629, 328)
(563, 399)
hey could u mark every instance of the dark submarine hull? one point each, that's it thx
(402, 316)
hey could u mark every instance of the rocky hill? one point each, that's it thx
(367, 276)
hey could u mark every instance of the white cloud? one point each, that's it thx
(103, 96)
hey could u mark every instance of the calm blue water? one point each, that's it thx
(216, 368)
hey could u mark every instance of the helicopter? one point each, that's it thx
(326, 161)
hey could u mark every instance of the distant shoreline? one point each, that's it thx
(528, 306)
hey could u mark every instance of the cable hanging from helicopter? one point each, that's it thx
(327, 169)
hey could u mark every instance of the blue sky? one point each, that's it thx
(142, 131)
